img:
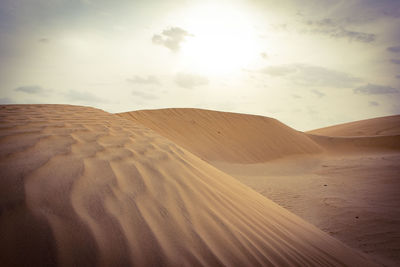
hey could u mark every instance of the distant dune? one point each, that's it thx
(240, 138)
(389, 125)
(82, 187)
(224, 136)
(357, 145)
(378, 134)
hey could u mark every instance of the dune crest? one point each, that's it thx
(346, 188)
(225, 136)
(240, 138)
(357, 145)
(365, 136)
(83, 187)
(381, 126)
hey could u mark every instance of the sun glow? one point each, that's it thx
(223, 40)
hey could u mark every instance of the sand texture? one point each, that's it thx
(224, 136)
(353, 198)
(389, 125)
(82, 187)
(347, 185)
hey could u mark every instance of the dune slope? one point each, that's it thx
(294, 180)
(358, 145)
(224, 136)
(389, 125)
(81, 187)
(354, 198)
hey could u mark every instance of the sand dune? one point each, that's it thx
(389, 125)
(224, 136)
(353, 197)
(358, 145)
(240, 138)
(81, 187)
(365, 136)
(348, 186)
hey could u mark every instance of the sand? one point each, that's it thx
(389, 125)
(353, 198)
(346, 183)
(225, 136)
(82, 187)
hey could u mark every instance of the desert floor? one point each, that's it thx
(353, 198)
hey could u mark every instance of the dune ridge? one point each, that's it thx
(348, 187)
(83, 187)
(358, 145)
(248, 139)
(389, 125)
(225, 136)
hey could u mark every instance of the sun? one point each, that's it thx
(223, 40)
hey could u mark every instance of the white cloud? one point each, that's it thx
(374, 89)
(171, 38)
(317, 93)
(144, 80)
(373, 103)
(189, 81)
(31, 89)
(333, 29)
(144, 95)
(85, 97)
(309, 75)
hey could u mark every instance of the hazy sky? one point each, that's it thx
(308, 63)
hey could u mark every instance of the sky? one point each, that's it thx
(309, 63)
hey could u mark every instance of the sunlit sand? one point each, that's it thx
(80, 186)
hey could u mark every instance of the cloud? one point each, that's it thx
(317, 93)
(44, 40)
(144, 95)
(6, 100)
(144, 80)
(373, 103)
(353, 11)
(373, 89)
(382, 8)
(333, 29)
(394, 49)
(31, 89)
(296, 96)
(309, 75)
(171, 38)
(281, 70)
(321, 23)
(398, 76)
(395, 61)
(85, 97)
(264, 55)
(189, 81)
